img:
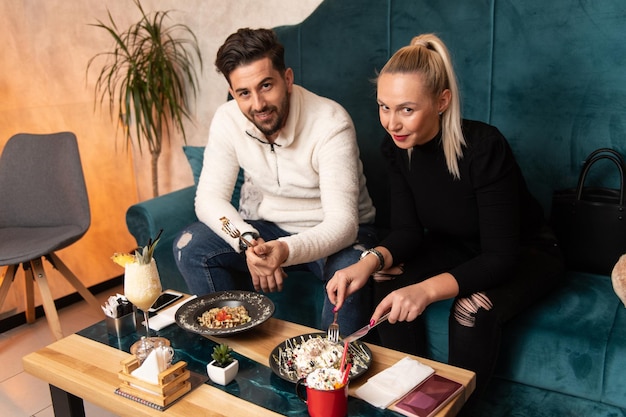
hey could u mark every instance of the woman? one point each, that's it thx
(464, 224)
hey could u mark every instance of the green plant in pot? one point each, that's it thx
(221, 355)
(149, 78)
(223, 368)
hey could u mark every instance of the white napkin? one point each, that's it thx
(394, 382)
(166, 316)
(155, 363)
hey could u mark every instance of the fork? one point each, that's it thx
(333, 330)
(232, 231)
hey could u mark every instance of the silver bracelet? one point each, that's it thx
(381, 258)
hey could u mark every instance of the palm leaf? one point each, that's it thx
(150, 77)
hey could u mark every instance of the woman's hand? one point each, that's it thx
(406, 303)
(346, 281)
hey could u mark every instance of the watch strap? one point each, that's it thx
(381, 258)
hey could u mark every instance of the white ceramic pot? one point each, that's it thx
(220, 375)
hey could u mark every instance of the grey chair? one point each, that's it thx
(44, 207)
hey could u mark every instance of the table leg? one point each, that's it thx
(66, 404)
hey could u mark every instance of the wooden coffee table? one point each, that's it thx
(78, 368)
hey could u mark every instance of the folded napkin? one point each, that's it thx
(167, 316)
(158, 360)
(393, 383)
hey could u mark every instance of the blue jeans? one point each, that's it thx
(209, 264)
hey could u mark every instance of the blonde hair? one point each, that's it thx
(428, 55)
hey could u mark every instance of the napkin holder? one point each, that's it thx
(121, 326)
(173, 383)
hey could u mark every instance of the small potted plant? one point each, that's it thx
(223, 368)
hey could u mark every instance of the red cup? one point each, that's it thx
(324, 402)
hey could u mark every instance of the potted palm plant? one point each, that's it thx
(223, 368)
(148, 78)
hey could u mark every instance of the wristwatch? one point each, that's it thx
(249, 236)
(381, 258)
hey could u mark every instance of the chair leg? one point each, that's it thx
(9, 275)
(34, 271)
(46, 298)
(29, 293)
(80, 287)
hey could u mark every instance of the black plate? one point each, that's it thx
(260, 308)
(360, 353)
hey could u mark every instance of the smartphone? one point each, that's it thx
(166, 298)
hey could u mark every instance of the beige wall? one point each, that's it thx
(44, 88)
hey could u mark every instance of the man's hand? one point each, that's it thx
(264, 263)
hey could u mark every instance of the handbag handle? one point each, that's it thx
(605, 150)
(595, 157)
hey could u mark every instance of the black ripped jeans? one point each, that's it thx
(474, 347)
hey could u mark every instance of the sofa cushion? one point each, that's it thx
(570, 330)
(615, 364)
(170, 212)
(195, 156)
(510, 399)
(579, 330)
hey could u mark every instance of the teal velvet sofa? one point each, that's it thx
(552, 77)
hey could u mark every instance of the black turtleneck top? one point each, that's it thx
(489, 210)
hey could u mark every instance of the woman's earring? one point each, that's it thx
(440, 113)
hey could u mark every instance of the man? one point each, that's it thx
(300, 153)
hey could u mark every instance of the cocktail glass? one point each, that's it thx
(142, 286)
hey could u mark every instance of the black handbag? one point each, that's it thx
(589, 221)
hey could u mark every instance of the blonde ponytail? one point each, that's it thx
(428, 55)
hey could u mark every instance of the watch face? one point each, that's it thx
(249, 236)
(381, 260)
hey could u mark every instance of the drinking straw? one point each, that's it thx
(344, 379)
(343, 356)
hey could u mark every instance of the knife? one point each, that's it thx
(364, 330)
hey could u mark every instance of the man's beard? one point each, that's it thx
(271, 127)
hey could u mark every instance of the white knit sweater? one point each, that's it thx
(311, 180)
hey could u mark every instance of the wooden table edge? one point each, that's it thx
(57, 363)
(241, 344)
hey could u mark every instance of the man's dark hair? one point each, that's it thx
(249, 45)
